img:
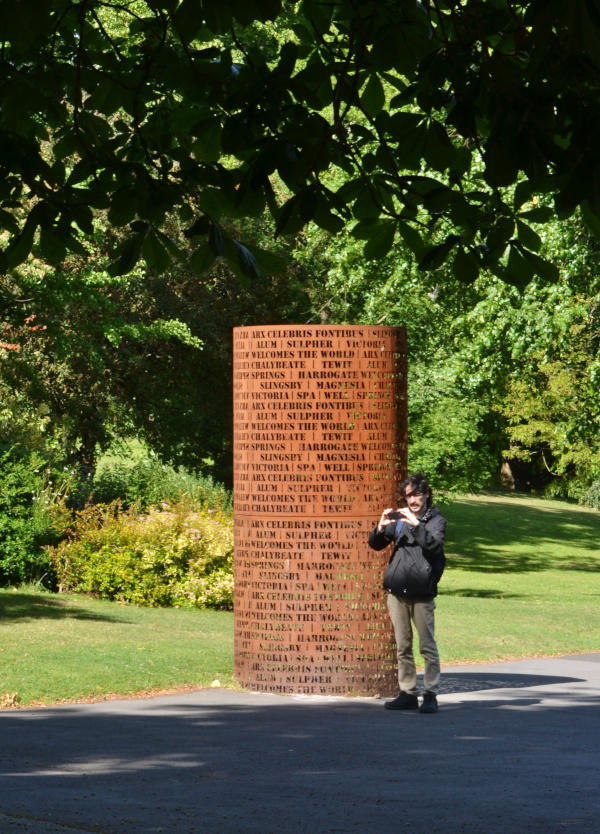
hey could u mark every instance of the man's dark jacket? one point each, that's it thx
(418, 560)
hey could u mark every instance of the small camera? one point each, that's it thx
(395, 514)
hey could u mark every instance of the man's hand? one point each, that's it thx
(402, 512)
(409, 516)
(385, 519)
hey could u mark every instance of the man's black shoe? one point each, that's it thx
(430, 703)
(403, 701)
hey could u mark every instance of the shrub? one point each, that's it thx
(591, 498)
(31, 502)
(175, 554)
(139, 478)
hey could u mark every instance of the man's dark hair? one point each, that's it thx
(418, 483)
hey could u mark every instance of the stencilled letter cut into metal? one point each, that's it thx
(319, 447)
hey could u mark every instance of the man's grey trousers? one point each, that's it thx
(403, 613)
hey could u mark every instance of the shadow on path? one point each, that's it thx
(225, 761)
(453, 682)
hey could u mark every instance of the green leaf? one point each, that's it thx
(155, 252)
(83, 216)
(201, 226)
(541, 267)
(216, 239)
(528, 237)
(409, 132)
(189, 20)
(412, 238)
(365, 207)
(501, 168)
(289, 219)
(212, 201)
(518, 271)
(438, 149)
(52, 245)
(372, 97)
(20, 246)
(351, 190)
(246, 12)
(412, 39)
(591, 218)
(501, 232)
(74, 245)
(249, 201)
(327, 220)
(202, 259)
(8, 222)
(396, 81)
(206, 147)
(139, 226)
(465, 266)
(571, 190)
(539, 214)
(246, 260)
(318, 13)
(123, 207)
(67, 145)
(217, 14)
(438, 199)
(236, 263)
(437, 255)
(381, 239)
(80, 173)
(364, 229)
(127, 255)
(26, 30)
(523, 194)
(268, 262)
(286, 64)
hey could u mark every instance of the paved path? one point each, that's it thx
(514, 748)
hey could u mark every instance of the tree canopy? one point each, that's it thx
(449, 126)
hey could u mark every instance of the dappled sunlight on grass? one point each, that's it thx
(522, 579)
(481, 593)
(16, 605)
(518, 534)
(57, 648)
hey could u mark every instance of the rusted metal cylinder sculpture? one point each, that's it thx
(319, 446)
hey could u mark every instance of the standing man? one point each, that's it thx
(418, 530)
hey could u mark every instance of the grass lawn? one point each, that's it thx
(64, 647)
(522, 579)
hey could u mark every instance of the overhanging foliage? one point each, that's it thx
(435, 123)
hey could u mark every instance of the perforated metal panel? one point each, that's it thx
(319, 446)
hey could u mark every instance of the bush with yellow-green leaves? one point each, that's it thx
(176, 554)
